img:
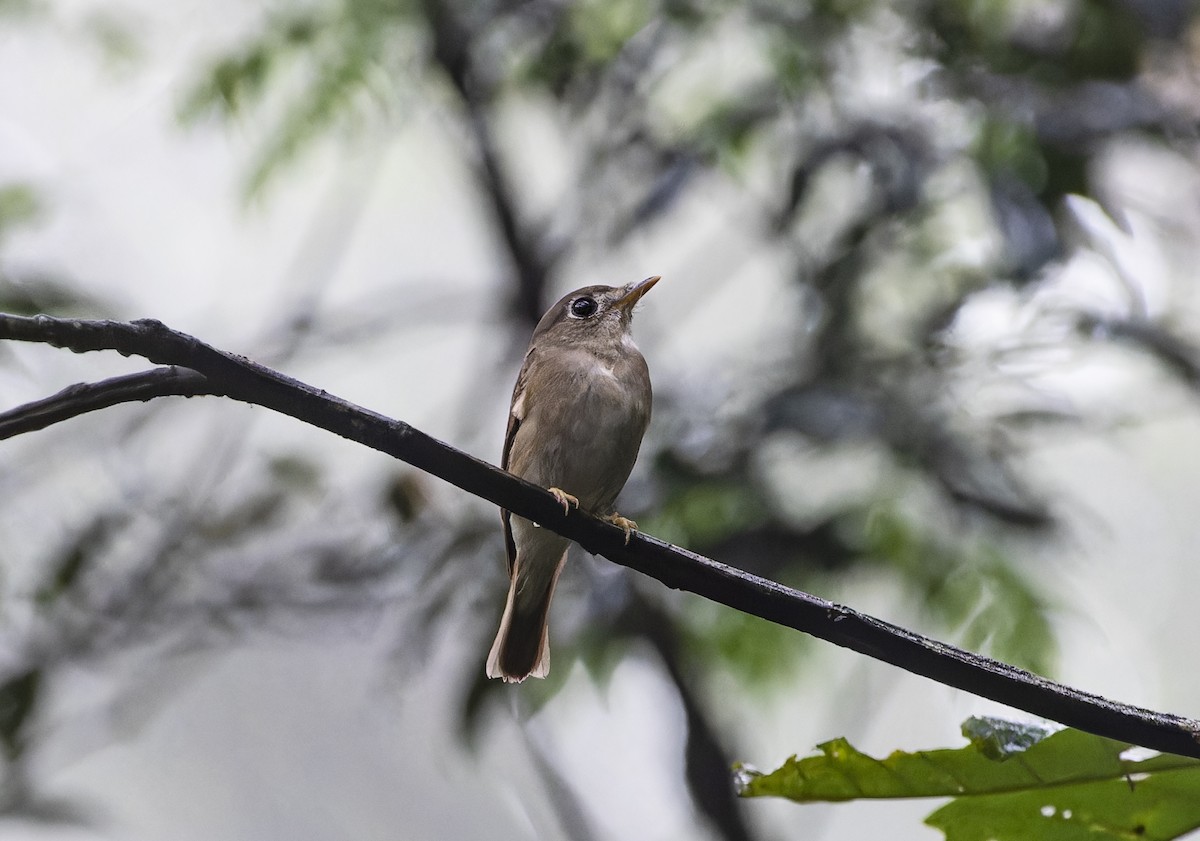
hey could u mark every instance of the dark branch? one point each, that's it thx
(706, 764)
(451, 40)
(79, 399)
(241, 379)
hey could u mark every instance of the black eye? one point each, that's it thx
(583, 307)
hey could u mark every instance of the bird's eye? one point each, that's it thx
(583, 307)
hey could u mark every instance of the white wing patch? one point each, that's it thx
(602, 370)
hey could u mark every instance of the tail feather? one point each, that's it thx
(522, 645)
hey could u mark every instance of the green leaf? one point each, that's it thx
(999, 739)
(1012, 782)
(1162, 806)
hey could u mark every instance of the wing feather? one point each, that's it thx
(516, 413)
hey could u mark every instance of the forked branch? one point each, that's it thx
(216, 372)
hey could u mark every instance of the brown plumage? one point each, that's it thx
(579, 409)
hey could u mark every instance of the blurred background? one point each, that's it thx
(926, 344)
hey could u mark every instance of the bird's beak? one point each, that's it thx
(633, 293)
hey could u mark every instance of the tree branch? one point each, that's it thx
(241, 379)
(79, 399)
(451, 41)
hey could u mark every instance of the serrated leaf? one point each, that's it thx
(1159, 807)
(1067, 785)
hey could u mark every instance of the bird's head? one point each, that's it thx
(594, 313)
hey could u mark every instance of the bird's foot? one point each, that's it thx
(624, 523)
(565, 499)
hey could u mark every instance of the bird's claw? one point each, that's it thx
(624, 523)
(565, 499)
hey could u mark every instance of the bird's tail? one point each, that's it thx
(522, 646)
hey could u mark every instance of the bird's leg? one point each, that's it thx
(624, 523)
(565, 499)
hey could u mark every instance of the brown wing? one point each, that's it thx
(514, 423)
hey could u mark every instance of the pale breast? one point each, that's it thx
(584, 418)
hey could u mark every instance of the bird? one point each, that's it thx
(580, 407)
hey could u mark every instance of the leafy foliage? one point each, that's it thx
(1014, 781)
(18, 700)
(344, 53)
(25, 292)
(19, 205)
(974, 589)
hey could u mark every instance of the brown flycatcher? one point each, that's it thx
(579, 409)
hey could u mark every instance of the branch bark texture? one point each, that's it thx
(234, 376)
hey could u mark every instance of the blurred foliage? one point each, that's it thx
(118, 40)
(26, 293)
(896, 161)
(1014, 782)
(18, 698)
(703, 513)
(29, 292)
(347, 53)
(18, 205)
(22, 7)
(975, 590)
(65, 569)
(759, 654)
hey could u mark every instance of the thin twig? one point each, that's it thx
(79, 399)
(241, 379)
